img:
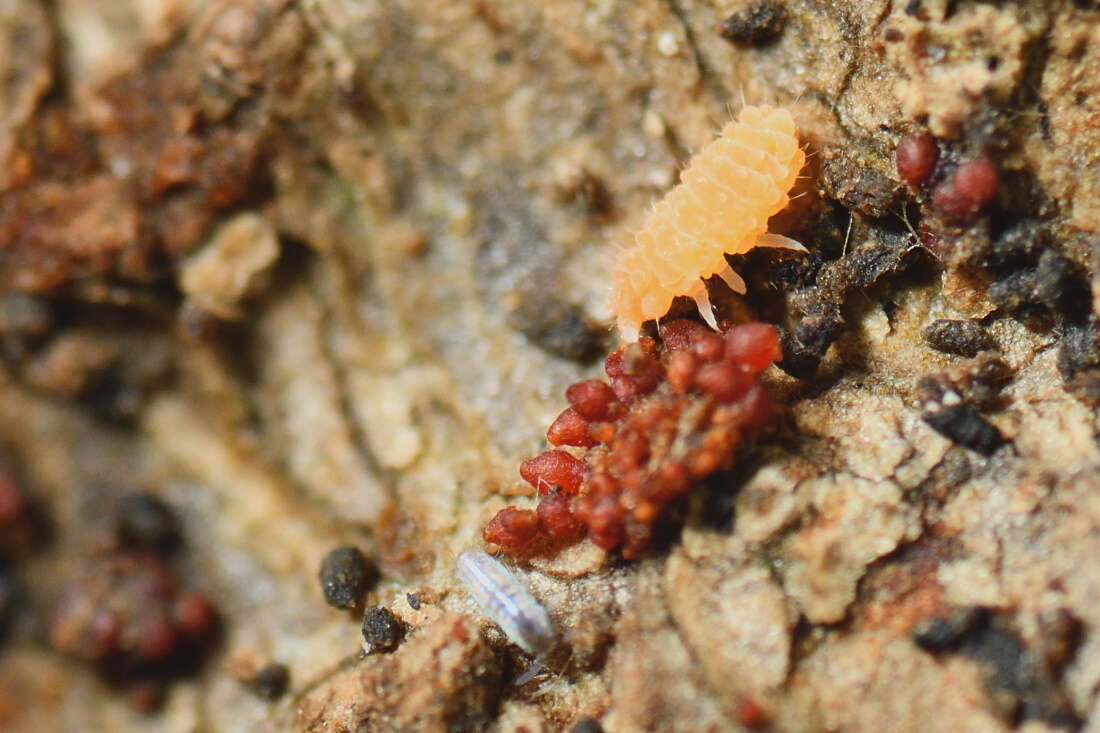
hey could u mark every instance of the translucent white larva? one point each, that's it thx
(506, 601)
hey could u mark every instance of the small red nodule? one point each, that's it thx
(570, 429)
(757, 408)
(194, 614)
(708, 347)
(553, 468)
(512, 528)
(682, 367)
(157, 639)
(754, 346)
(681, 334)
(916, 158)
(723, 381)
(592, 399)
(968, 190)
(557, 520)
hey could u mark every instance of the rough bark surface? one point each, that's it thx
(317, 272)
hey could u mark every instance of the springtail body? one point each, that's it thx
(507, 602)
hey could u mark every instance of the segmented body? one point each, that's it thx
(506, 601)
(721, 206)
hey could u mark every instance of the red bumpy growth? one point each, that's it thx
(672, 414)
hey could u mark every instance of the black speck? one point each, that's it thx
(345, 575)
(270, 683)
(1061, 285)
(1023, 683)
(413, 600)
(1018, 245)
(145, 521)
(807, 343)
(756, 24)
(992, 63)
(963, 338)
(559, 328)
(913, 8)
(587, 725)
(964, 425)
(946, 633)
(382, 630)
(8, 597)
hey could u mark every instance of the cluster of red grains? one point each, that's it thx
(672, 414)
(125, 613)
(961, 194)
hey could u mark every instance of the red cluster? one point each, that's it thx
(126, 613)
(961, 193)
(15, 526)
(672, 414)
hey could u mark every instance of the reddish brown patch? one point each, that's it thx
(194, 614)
(751, 714)
(905, 591)
(593, 399)
(674, 413)
(119, 193)
(123, 613)
(512, 528)
(556, 519)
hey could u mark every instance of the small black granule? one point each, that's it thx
(962, 338)
(413, 600)
(345, 575)
(962, 424)
(1062, 285)
(382, 630)
(146, 521)
(946, 633)
(8, 597)
(270, 683)
(757, 23)
(587, 725)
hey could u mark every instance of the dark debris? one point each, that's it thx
(857, 186)
(587, 725)
(144, 520)
(946, 633)
(345, 575)
(382, 630)
(269, 682)
(757, 23)
(962, 338)
(1024, 683)
(559, 328)
(965, 426)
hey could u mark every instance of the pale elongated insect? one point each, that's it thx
(507, 602)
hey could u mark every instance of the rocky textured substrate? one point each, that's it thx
(317, 274)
